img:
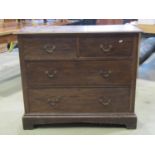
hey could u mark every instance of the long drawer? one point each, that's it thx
(79, 100)
(78, 73)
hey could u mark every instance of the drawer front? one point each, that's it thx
(78, 73)
(107, 45)
(49, 47)
(76, 100)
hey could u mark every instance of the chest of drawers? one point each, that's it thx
(79, 74)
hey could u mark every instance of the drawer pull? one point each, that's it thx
(120, 41)
(104, 102)
(49, 49)
(105, 49)
(105, 74)
(53, 102)
(51, 74)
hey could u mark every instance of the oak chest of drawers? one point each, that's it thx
(79, 74)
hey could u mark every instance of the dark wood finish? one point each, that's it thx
(109, 45)
(49, 47)
(77, 83)
(78, 73)
(126, 119)
(79, 100)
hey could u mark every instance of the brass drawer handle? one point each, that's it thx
(105, 74)
(104, 101)
(106, 49)
(52, 102)
(51, 74)
(49, 49)
(120, 41)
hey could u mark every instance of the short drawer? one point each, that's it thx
(49, 47)
(76, 100)
(78, 73)
(107, 45)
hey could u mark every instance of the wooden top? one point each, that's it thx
(8, 31)
(79, 29)
(146, 28)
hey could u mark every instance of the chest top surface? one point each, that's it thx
(79, 29)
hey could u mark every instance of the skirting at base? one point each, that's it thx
(128, 120)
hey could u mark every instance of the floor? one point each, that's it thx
(9, 65)
(11, 111)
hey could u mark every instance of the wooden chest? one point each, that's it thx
(79, 74)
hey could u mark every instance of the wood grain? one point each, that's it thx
(79, 100)
(78, 73)
(107, 45)
(49, 47)
(76, 82)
